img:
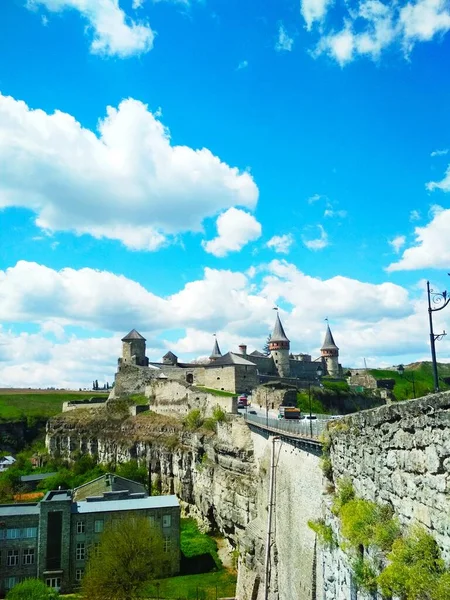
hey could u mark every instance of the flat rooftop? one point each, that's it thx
(17, 510)
(95, 506)
(36, 477)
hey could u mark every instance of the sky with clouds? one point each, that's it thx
(183, 166)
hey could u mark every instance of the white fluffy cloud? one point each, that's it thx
(284, 42)
(314, 11)
(281, 243)
(442, 152)
(443, 185)
(126, 182)
(397, 243)
(371, 26)
(372, 320)
(114, 32)
(317, 243)
(432, 245)
(235, 229)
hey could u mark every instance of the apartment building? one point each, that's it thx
(51, 539)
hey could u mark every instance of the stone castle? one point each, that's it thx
(235, 372)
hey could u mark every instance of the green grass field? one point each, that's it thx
(423, 379)
(215, 392)
(207, 586)
(195, 543)
(16, 405)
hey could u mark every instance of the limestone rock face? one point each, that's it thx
(213, 475)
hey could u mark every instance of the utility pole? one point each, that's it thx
(269, 521)
(440, 300)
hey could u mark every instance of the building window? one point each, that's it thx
(167, 544)
(80, 527)
(10, 582)
(96, 549)
(98, 526)
(53, 582)
(167, 520)
(79, 574)
(80, 552)
(151, 520)
(13, 558)
(28, 556)
(12, 534)
(30, 532)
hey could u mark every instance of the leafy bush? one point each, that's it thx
(416, 570)
(193, 420)
(364, 575)
(344, 494)
(210, 424)
(368, 524)
(219, 414)
(32, 589)
(324, 533)
(326, 466)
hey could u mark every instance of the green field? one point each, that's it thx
(207, 586)
(214, 392)
(422, 374)
(194, 543)
(17, 405)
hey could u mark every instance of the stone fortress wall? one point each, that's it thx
(397, 454)
(176, 397)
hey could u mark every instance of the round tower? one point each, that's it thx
(330, 354)
(133, 349)
(279, 346)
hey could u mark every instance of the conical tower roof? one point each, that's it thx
(133, 335)
(278, 334)
(216, 353)
(328, 343)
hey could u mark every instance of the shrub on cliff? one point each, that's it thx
(324, 533)
(416, 570)
(193, 420)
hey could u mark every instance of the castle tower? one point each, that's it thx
(133, 349)
(330, 353)
(279, 348)
(216, 353)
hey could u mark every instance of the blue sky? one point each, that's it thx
(183, 166)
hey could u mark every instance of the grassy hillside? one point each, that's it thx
(423, 379)
(16, 405)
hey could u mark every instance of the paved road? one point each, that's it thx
(270, 418)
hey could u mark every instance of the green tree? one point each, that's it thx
(131, 552)
(132, 470)
(32, 589)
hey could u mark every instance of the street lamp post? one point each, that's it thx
(401, 372)
(440, 300)
(319, 373)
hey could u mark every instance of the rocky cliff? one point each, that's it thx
(213, 474)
